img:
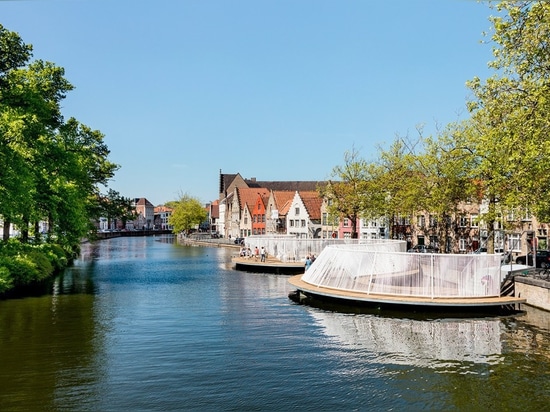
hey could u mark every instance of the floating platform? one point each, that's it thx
(448, 302)
(271, 265)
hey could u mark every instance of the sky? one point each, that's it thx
(273, 90)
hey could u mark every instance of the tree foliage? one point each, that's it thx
(50, 170)
(510, 115)
(51, 167)
(187, 214)
(114, 206)
(500, 155)
(348, 189)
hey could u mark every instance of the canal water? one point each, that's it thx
(145, 324)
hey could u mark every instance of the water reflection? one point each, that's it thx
(416, 342)
(175, 328)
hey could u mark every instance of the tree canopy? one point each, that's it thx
(187, 214)
(499, 155)
(51, 168)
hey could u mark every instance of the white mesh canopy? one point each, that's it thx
(288, 248)
(384, 268)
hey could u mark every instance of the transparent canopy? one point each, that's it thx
(382, 266)
(379, 269)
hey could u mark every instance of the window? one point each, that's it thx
(474, 222)
(324, 219)
(346, 221)
(263, 218)
(421, 219)
(515, 242)
(303, 223)
(245, 220)
(463, 244)
(291, 223)
(463, 221)
(259, 207)
(297, 211)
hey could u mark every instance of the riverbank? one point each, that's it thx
(204, 240)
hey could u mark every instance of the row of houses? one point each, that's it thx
(147, 217)
(250, 207)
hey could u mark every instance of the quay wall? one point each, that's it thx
(536, 291)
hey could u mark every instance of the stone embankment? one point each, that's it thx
(207, 241)
(536, 291)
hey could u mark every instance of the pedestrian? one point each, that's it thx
(308, 262)
(256, 253)
(312, 258)
(263, 254)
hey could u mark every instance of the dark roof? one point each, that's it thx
(225, 180)
(286, 185)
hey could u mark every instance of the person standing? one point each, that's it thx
(256, 253)
(262, 253)
(308, 263)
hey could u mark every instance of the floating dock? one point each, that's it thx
(271, 265)
(350, 296)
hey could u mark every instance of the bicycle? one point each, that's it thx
(543, 273)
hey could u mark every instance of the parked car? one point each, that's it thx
(543, 259)
(239, 240)
(504, 257)
(423, 249)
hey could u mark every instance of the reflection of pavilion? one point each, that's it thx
(407, 341)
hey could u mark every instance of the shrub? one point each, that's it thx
(25, 268)
(6, 282)
(55, 254)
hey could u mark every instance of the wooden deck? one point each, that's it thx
(271, 265)
(307, 288)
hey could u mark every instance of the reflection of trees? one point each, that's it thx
(46, 343)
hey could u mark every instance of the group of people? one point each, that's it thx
(309, 261)
(258, 253)
(261, 253)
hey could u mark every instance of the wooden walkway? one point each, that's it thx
(308, 288)
(271, 265)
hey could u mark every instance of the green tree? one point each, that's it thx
(400, 181)
(53, 168)
(347, 190)
(114, 206)
(445, 169)
(509, 123)
(188, 213)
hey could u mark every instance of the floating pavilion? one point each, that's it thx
(381, 271)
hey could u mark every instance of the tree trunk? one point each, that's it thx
(6, 235)
(37, 234)
(25, 230)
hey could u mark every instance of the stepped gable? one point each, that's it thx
(283, 200)
(293, 186)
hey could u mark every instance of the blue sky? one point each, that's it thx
(277, 90)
